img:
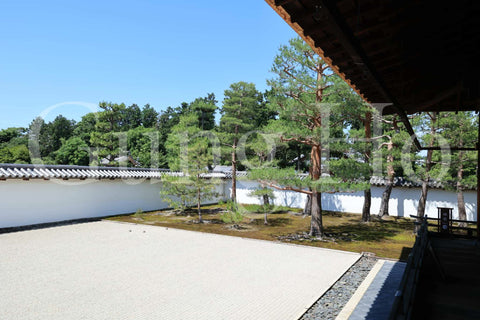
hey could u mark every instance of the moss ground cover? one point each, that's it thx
(390, 238)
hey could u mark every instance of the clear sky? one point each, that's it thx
(138, 51)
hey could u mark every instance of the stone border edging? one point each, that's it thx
(355, 299)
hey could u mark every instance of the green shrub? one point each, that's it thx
(233, 214)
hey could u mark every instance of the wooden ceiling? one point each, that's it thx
(414, 55)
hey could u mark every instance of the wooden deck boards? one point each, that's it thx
(458, 296)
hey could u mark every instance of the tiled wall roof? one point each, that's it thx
(31, 171)
(402, 182)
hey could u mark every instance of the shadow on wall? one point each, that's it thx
(407, 201)
(290, 199)
(282, 198)
(448, 199)
(401, 208)
(332, 202)
(471, 209)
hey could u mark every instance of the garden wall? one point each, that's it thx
(403, 201)
(27, 202)
(34, 201)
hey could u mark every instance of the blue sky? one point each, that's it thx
(143, 51)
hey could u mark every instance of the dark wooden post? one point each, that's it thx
(478, 178)
(445, 220)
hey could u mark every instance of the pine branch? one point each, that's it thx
(275, 186)
(308, 142)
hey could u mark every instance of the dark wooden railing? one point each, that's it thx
(461, 224)
(405, 295)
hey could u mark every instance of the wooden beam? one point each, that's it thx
(282, 2)
(308, 39)
(351, 45)
(439, 98)
(478, 178)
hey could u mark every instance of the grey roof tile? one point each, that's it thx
(31, 171)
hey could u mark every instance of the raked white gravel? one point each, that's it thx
(111, 270)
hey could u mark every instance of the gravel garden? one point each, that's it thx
(390, 237)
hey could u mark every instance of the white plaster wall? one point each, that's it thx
(403, 201)
(282, 198)
(40, 201)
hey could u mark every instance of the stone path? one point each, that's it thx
(110, 270)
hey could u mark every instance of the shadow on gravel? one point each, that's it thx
(47, 225)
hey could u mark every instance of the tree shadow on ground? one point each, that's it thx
(280, 211)
(213, 211)
(206, 220)
(191, 212)
(273, 222)
(363, 231)
(333, 214)
(269, 213)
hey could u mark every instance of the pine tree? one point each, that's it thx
(105, 137)
(310, 100)
(239, 114)
(393, 139)
(205, 109)
(459, 130)
(190, 154)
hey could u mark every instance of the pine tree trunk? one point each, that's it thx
(386, 198)
(462, 214)
(422, 202)
(316, 225)
(389, 185)
(200, 220)
(266, 203)
(423, 197)
(234, 171)
(308, 206)
(266, 200)
(367, 203)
